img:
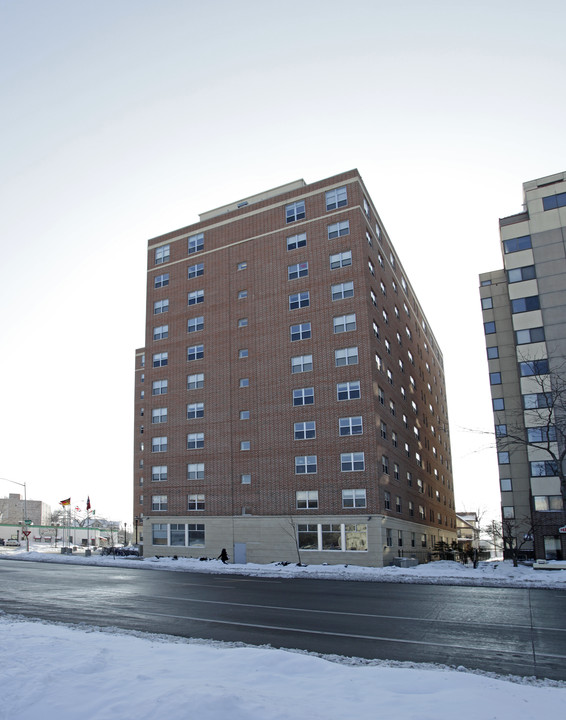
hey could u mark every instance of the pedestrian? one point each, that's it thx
(223, 556)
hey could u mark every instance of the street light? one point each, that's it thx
(25, 506)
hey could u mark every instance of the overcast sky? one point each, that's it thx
(123, 119)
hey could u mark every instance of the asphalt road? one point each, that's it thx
(504, 630)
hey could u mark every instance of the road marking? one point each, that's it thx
(354, 637)
(355, 614)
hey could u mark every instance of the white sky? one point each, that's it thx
(123, 120)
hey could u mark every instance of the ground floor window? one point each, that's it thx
(178, 534)
(332, 536)
(552, 547)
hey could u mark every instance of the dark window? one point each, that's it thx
(516, 244)
(525, 304)
(534, 367)
(551, 202)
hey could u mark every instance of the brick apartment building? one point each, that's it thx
(290, 398)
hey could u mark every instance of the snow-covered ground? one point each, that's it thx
(60, 672)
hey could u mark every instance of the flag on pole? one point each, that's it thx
(65, 502)
(88, 503)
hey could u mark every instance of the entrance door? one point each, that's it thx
(240, 553)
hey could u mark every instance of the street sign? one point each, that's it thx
(562, 529)
(26, 532)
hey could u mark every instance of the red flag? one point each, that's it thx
(65, 502)
(88, 503)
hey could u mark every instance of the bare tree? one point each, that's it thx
(512, 534)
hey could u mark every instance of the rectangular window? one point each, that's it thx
(195, 297)
(196, 243)
(385, 464)
(195, 381)
(336, 198)
(522, 273)
(243, 353)
(159, 387)
(344, 323)
(506, 485)
(246, 479)
(508, 512)
(340, 260)
(295, 211)
(159, 473)
(515, 244)
(195, 410)
(195, 270)
(244, 382)
(531, 335)
(544, 468)
(195, 534)
(242, 322)
(195, 471)
(244, 414)
(548, 503)
(348, 390)
(242, 265)
(305, 464)
(492, 352)
(245, 445)
(489, 328)
(161, 332)
(195, 441)
(346, 356)
(159, 415)
(350, 425)
(160, 359)
(354, 498)
(196, 352)
(242, 295)
(387, 500)
(162, 254)
(159, 502)
(541, 434)
(338, 229)
(299, 300)
(534, 367)
(296, 241)
(161, 280)
(301, 363)
(300, 332)
(303, 396)
(525, 304)
(195, 501)
(503, 458)
(534, 401)
(552, 202)
(307, 499)
(341, 291)
(195, 324)
(495, 378)
(297, 271)
(159, 534)
(161, 306)
(487, 303)
(498, 403)
(305, 430)
(352, 462)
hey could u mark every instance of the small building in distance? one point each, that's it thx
(13, 510)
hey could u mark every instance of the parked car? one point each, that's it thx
(12, 543)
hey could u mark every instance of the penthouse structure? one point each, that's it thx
(524, 314)
(290, 401)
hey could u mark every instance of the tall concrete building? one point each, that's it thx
(524, 313)
(290, 398)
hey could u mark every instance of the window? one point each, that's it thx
(525, 304)
(371, 268)
(301, 363)
(492, 352)
(196, 352)
(159, 502)
(296, 241)
(344, 323)
(244, 382)
(307, 499)
(350, 426)
(303, 396)
(161, 332)
(195, 471)
(195, 324)
(522, 273)
(195, 297)
(552, 202)
(332, 537)
(544, 468)
(195, 535)
(385, 464)
(196, 243)
(548, 503)
(246, 479)
(305, 464)
(161, 280)
(541, 434)
(531, 335)
(383, 430)
(508, 512)
(159, 415)
(503, 458)
(242, 265)
(500, 430)
(159, 387)
(498, 403)
(348, 390)
(244, 414)
(242, 322)
(487, 303)
(387, 500)
(534, 401)
(300, 332)
(245, 445)
(299, 300)
(346, 356)
(495, 378)
(161, 306)
(305, 430)
(195, 381)
(336, 198)
(159, 473)
(352, 462)
(162, 254)
(506, 485)
(160, 359)
(295, 211)
(354, 498)
(242, 295)
(159, 444)
(489, 328)
(159, 534)
(338, 229)
(340, 260)
(340, 291)
(195, 410)
(515, 244)
(534, 367)
(243, 353)
(195, 501)
(297, 271)
(195, 270)
(375, 329)
(195, 441)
